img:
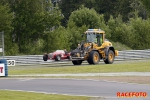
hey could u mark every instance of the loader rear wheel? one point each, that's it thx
(93, 57)
(45, 57)
(110, 57)
(77, 62)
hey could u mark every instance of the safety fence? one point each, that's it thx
(38, 59)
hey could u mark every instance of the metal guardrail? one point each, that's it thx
(38, 59)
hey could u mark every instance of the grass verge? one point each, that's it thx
(138, 66)
(20, 95)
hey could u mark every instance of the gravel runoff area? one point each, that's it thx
(131, 77)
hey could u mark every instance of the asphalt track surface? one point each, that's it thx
(106, 89)
(93, 88)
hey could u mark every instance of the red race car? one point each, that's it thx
(57, 55)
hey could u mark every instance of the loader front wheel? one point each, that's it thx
(94, 57)
(110, 57)
(77, 62)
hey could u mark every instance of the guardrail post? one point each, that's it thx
(124, 52)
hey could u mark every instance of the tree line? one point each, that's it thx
(38, 26)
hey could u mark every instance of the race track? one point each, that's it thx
(106, 89)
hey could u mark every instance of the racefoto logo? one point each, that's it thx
(131, 94)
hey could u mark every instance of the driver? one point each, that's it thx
(65, 51)
(79, 46)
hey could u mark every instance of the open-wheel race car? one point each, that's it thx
(57, 55)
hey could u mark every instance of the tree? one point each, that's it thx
(123, 8)
(82, 19)
(141, 33)
(57, 39)
(134, 33)
(105, 7)
(136, 5)
(6, 17)
(146, 3)
(68, 6)
(32, 18)
(85, 16)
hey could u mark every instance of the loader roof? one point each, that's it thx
(95, 31)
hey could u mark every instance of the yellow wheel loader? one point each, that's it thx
(94, 49)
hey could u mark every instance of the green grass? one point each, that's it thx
(18, 95)
(119, 46)
(137, 66)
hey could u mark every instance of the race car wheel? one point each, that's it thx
(45, 57)
(69, 57)
(58, 58)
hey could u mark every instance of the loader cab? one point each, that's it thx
(95, 36)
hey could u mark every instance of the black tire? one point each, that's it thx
(110, 57)
(58, 58)
(94, 57)
(77, 62)
(89, 61)
(45, 57)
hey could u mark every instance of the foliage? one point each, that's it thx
(75, 34)
(34, 48)
(135, 33)
(119, 30)
(85, 16)
(32, 18)
(57, 39)
(141, 33)
(136, 5)
(146, 4)
(70, 6)
(82, 19)
(6, 17)
(105, 7)
(119, 46)
(33, 26)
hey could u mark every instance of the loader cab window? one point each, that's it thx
(99, 39)
(91, 37)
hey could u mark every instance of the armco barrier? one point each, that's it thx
(38, 59)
